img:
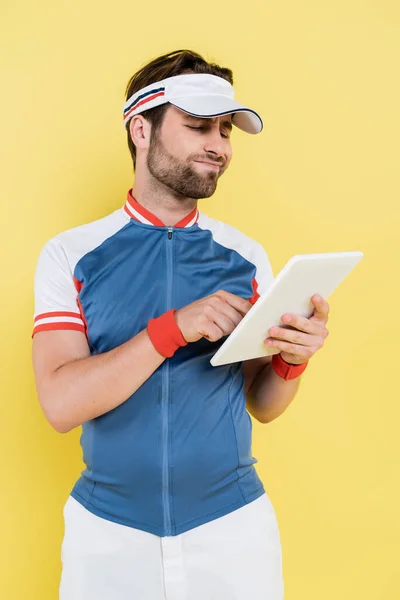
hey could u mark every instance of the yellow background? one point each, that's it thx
(323, 176)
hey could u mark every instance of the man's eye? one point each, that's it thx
(202, 127)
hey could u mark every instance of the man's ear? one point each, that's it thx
(140, 130)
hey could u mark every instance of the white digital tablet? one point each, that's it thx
(290, 292)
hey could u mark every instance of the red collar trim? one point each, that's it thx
(139, 213)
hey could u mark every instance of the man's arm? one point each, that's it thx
(267, 394)
(74, 387)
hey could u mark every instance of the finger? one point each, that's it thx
(322, 308)
(292, 336)
(295, 349)
(220, 320)
(302, 324)
(210, 331)
(226, 309)
(240, 304)
(215, 325)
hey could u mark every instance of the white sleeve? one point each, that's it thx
(56, 294)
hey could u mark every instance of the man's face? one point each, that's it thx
(181, 151)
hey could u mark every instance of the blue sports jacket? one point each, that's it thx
(177, 453)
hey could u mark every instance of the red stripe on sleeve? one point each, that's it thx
(57, 314)
(57, 326)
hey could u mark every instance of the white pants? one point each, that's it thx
(235, 557)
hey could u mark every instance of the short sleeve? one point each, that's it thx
(56, 295)
(263, 275)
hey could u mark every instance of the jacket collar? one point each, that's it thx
(139, 213)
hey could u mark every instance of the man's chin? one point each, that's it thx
(205, 190)
(204, 193)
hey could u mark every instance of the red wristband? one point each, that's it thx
(286, 370)
(165, 334)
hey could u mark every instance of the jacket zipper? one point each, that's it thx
(165, 399)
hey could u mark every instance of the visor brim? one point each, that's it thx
(215, 106)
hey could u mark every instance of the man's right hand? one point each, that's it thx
(211, 317)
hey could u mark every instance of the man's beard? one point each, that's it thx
(178, 176)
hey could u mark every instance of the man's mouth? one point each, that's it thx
(211, 165)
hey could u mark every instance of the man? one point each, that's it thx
(129, 310)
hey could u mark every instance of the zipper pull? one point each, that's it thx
(169, 233)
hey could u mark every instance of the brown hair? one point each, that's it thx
(168, 65)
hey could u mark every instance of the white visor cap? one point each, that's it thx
(197, 94)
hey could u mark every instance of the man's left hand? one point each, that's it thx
(298, 345)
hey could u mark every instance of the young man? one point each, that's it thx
(129, 309)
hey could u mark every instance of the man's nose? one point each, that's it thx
(215, 143)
